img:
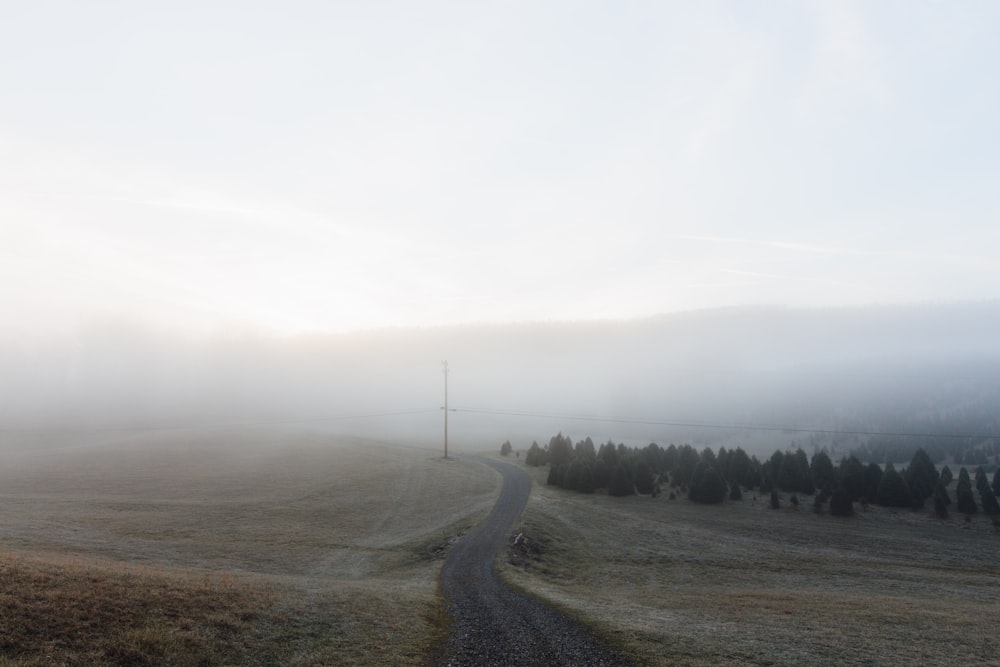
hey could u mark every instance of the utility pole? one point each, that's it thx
(445, 364)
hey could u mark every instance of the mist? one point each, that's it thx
(871, 368)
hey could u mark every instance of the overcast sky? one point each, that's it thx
(312, 166)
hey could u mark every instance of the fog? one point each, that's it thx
(872, 368)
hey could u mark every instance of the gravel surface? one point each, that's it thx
(494, 624)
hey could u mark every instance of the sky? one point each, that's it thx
(302, 167)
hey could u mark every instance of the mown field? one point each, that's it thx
(676, 583)
(256, 548)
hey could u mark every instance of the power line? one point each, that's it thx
(711, 425)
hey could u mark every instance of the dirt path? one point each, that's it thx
(494, 624)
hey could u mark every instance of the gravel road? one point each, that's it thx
(494, 624)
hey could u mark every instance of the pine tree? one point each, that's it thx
(557, 475)
(707, 485)
(852, 477)
(644, 478)
(946, 476)
(585, 482)
(892, 489)
(840, 503)
(621, 482)
(965, 502)
(873, 478)
(536, 456)
(921, 476)
(941, 501)
(989, 501)
(821, 470)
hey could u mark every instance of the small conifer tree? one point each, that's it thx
(840, 503)
(621, 482)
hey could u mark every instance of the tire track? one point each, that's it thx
(494, 625)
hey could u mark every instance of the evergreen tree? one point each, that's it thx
(981, 481)
(585, 450)
(609, 454)
(557, 475)
(741, 468)
(571, 480)
(585, 481)
(707, 485)
(965, 502)
(803, 480)
(775, 499)
(893, 490)
(621, 482)
(670, 458)
(821, 470)
(536, 455)
(734, 492)
(687, 461)
(921, 476)
(852, 477)
(989, 501)
(996, 482)
(873, 478)
(840, 503)
(644, 478)
(506, 448)
(602, 474)
(946, 476)
(560, 450)
(941, 501)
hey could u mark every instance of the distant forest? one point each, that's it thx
(713, 476)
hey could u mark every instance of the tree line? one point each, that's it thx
(713, 476)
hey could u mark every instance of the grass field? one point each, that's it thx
(740, 584)
(298, 549)
(253, 548)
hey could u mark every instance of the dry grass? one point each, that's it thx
(738, 584)
(279, 550)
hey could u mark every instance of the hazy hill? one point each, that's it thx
(874, 367)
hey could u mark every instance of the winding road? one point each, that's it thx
(492, 623)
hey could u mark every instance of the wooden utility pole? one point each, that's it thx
(445, 364)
